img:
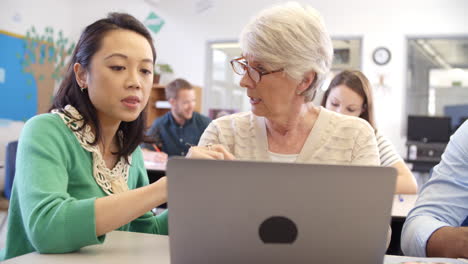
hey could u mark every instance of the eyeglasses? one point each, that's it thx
(240, 67)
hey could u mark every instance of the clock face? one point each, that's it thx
(381, 56)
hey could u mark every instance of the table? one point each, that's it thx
(127, 247)
(155, 170)
(389, 259)
(402, 204)
(155, 166)
(119, 248)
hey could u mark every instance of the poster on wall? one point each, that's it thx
(30, 66)
(17, 87)
(154, 23)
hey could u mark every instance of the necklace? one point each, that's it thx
(111, 181)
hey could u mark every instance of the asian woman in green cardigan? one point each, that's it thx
(80, 172)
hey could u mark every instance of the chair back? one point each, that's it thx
(10, 165)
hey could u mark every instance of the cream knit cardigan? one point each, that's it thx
(334, 139)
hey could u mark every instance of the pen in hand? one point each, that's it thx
(156, 148)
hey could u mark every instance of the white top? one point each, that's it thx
(388, 154)
(334, 139)
(288, 158)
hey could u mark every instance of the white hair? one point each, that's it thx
(293, 37)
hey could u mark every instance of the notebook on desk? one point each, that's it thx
(261, 212)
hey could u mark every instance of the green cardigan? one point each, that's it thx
(52, 202)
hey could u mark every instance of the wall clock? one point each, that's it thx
(381, 56)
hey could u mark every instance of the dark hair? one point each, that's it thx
(69, 92)
(357, 82)
(173, 88)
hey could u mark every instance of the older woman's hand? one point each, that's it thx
(217, 152)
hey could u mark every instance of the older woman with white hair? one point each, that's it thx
(286, 54)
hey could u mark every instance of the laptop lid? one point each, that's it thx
(262, 212)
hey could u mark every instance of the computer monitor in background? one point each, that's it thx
(430, 129)
(462, 120)
(458, 113)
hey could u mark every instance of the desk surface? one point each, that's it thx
(402, 204)
(128, 247)
(155, 166)
(118, 248)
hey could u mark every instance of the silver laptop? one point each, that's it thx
(262, 212)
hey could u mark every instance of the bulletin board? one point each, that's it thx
(17, 87)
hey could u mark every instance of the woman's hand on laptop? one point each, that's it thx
(217, 152)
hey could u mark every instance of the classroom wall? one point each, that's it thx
(17, 16)
(182, 40)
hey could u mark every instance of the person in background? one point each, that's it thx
(178, 129)
(438, 224)
(350, 93)
(79, 170)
